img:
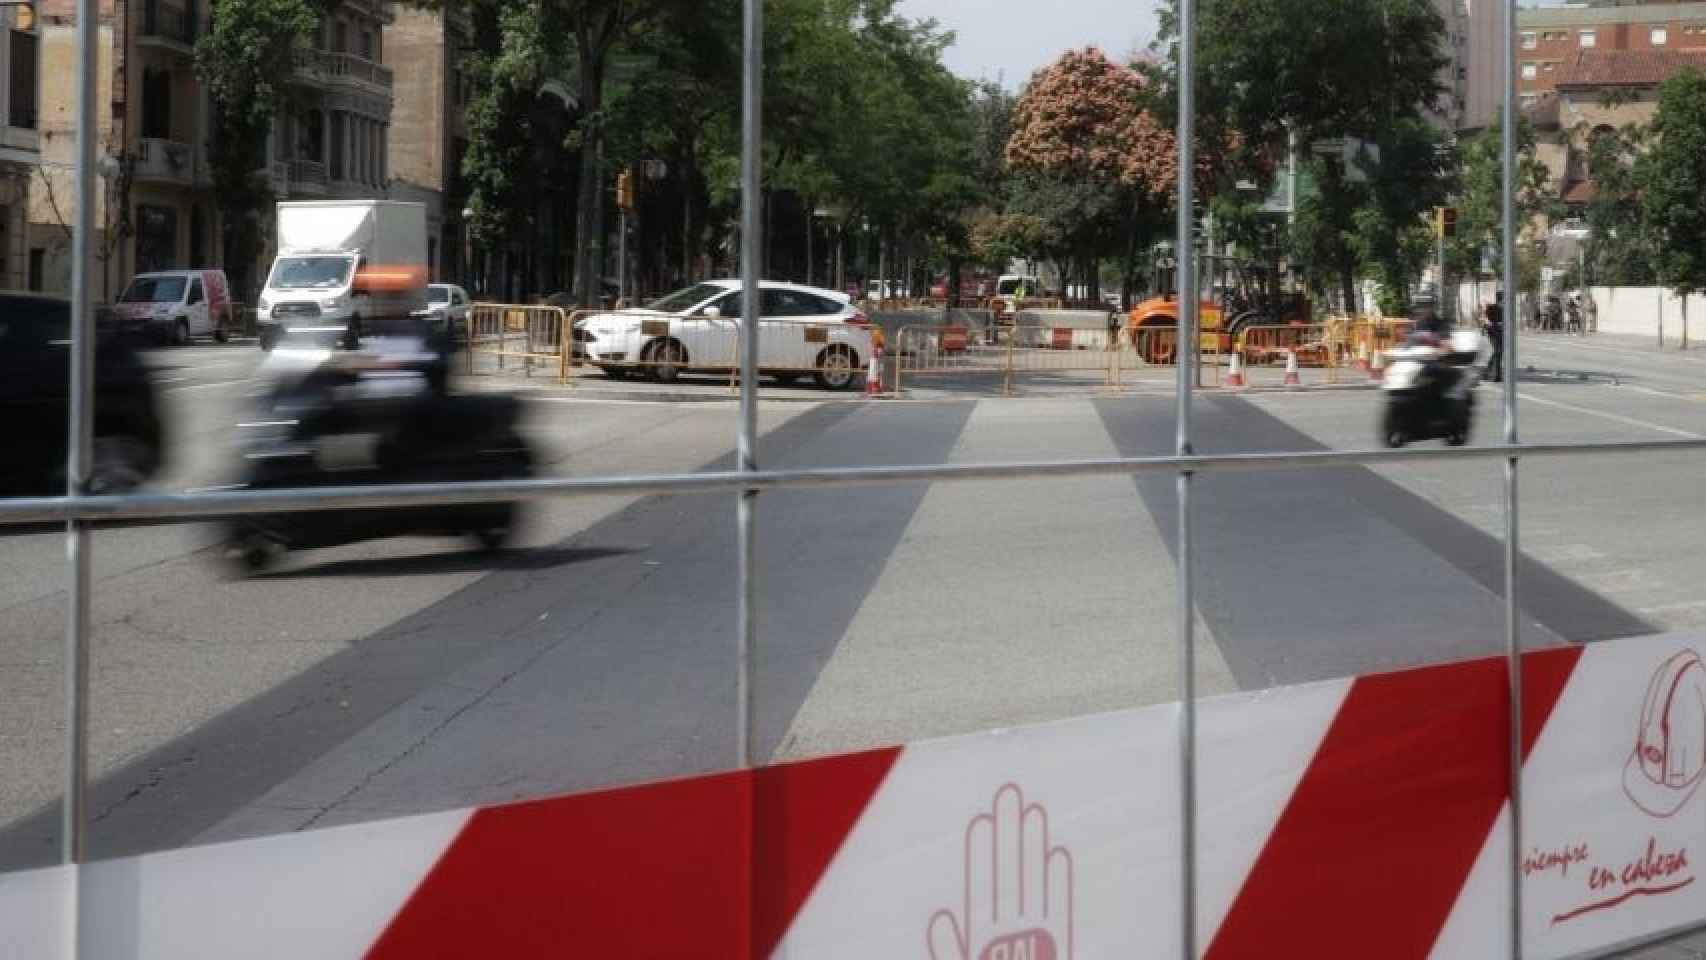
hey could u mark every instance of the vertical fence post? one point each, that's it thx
(1184, 356)
(751, 250)
(78, 451)
(1513, 627)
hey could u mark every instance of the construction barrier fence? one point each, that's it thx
(526, 335)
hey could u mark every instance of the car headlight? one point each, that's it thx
(332, 303)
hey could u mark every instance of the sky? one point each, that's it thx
(1008, 39)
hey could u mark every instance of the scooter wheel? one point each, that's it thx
(253, 553)
(1392, 432)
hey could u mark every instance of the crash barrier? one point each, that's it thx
(1357, 817)
(625, 343)
(529, 334)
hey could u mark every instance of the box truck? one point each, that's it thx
(344, 267)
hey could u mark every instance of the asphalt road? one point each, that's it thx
(411, 675)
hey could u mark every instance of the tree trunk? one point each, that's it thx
(589, 207)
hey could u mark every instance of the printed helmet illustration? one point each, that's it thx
(1669, 759)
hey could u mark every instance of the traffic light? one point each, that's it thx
(1445, 221)
(625, 190)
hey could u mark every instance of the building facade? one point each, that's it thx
(157, 208)
(429, 134)
(1551, 37)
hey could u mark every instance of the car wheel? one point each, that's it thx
(837, 368)
(181, 333)
(667, 358)
(268, 338)
(492, 539)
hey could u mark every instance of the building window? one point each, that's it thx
(367, 44)
(1660, 36)
(38, 263)
(1530, 71)
(1530, 40)
(22, 112)
(1529, 99)
(156, 238)
(1588, 38)
(156, 104)
(340, 37)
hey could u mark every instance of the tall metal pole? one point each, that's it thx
(1513, 634)
(622, 255)
(751, 249)
(1185, 356)
(78, 452)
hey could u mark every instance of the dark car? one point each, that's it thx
(35, 379)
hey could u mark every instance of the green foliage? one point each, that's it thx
(1480, 206)
(1673, 177)
(510, 62)
(244, 60)
(1616, 251)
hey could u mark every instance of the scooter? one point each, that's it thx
(377, 415)
(1430, 389)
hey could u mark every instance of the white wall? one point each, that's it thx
(1632, 311)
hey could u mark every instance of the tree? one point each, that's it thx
(1096, 161)
(1480, 207)
(1268, 73)
(245, 60)
(1615, 253)
(1673, 180)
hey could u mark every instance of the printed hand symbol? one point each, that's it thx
(1018, 889)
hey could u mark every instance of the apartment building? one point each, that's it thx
(22, 258)
(1550, 37)
(157, 210)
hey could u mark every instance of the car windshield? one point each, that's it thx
(294, 273)
(1007, 287)
(438, 294)
(686, 299)
(154, 290)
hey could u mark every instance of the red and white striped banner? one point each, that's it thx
(1354, 818)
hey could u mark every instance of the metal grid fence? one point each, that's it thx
(79, 510)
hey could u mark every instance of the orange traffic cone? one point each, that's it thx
(1377, 369)
(874, 379)
(1291, 377)
(1235, 377)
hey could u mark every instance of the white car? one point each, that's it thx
(447, 305)
(802, 331)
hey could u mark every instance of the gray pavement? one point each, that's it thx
(402, 676)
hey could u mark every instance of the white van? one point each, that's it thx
(175, 305)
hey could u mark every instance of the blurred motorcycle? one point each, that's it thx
(377, 415)
(1430, 389)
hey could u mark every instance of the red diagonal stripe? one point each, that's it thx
(1373, 848)
(661, 870)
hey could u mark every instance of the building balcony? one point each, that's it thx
(324, 67)
(165, 162)
(167, 26)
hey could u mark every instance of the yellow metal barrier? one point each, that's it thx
(1021, 350)
(530, 333)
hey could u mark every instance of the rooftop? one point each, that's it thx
(1610, 15)
(1625, 68)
